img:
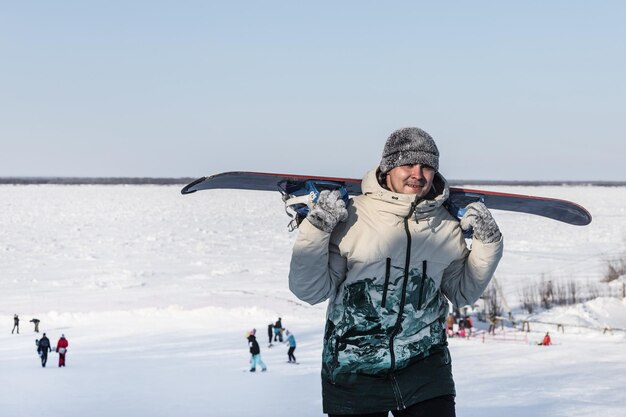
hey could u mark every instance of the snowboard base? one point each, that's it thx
(556, 209)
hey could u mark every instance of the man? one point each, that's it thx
(62, 350)
(469, 325)
(255, 352)
(385, 263)
(16, 324)
(270, 333)
(44, 348)
(36, 323)
(278, 330)
(291, 341)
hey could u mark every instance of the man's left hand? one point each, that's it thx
(477, 216)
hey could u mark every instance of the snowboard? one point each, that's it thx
(556, 209)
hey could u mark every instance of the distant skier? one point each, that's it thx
(36, 323)
(468, 326)
(461, 331)
(270, 333)
(278, 330)
(255, 351)
(44, 348)
(450, 322)
(16, 324)
(62, 350)
(493, 322)
(547, 341)
(291, 341)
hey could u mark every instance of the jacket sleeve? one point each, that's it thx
(317, 268)
(465, 279)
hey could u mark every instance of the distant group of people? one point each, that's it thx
(275, 331)
(16, 324)
(44, 347)
(464, 326)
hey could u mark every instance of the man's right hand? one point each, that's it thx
(329, 210)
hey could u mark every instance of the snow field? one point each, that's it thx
(155, 292)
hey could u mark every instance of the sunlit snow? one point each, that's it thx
(155, 292)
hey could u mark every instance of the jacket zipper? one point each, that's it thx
(387, 273)
(396, 390)
(407, 265)
(422, 285)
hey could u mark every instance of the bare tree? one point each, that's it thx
(560, 293)
(614, 269)
(593, 291)
(546, 293)
(571, 286)
(528, 299)
(494, 305)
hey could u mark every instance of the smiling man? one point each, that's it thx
(410, 162)
(388, 263)
(410, 179)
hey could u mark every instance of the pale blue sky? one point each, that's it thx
(531, 90)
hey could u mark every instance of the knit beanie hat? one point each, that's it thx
(407, 146)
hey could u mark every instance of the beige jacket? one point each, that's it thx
(385, 274)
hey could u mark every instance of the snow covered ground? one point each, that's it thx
(155, 292)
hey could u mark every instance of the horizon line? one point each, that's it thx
(41, 180)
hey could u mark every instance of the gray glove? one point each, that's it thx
(478, 217)
(329, 210)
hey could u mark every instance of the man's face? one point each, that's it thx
(411, 179)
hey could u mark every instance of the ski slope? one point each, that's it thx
(155, 292)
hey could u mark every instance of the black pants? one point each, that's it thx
(44, 357)
(435, 407)
(290, 354)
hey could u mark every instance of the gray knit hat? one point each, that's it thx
(409, 145)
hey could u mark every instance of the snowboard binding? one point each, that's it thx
(300, 197)
(458, 209)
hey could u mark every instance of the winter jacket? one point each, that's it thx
(62, 343)
(387, 271)
(254, 345)
(291, 340)
(44, 344)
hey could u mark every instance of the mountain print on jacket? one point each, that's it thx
(359, 339)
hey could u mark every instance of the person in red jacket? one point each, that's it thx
(546, 340)
(62, 350)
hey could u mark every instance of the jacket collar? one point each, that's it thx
(400, 204)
